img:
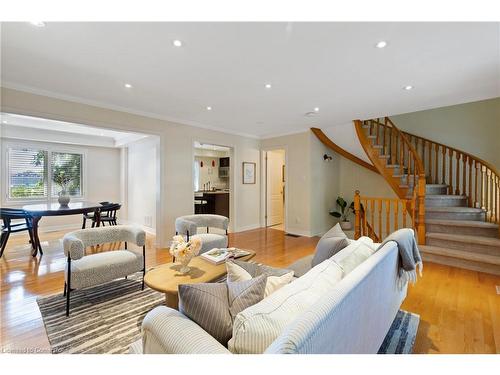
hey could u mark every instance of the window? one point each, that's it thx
(66, 172)
(40, 174)
(27, 173)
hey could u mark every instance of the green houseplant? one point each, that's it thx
(343, 213)
(64, 181)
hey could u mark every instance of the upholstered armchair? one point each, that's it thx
(188, 226)
(83, 271)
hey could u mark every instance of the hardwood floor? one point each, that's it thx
(459, 309)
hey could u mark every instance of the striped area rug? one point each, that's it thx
(103, 319)
(107, 319)
(401, 336)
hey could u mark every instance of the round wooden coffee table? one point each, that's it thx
(167, 278)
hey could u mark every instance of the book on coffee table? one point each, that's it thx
(220, 255)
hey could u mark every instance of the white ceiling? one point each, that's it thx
(118, 138)
(333, 66)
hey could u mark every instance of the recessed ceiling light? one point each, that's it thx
(128, 85)
(177, 43)
(38, 23)
(268, 86)
(209, 108)
(408, 87)
(4, 121)
(316, 109)
(381, 44)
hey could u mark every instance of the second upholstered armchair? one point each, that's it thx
(188, 226)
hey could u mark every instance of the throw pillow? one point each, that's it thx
(330, 244)
(242, 271)
(360, 253)
(214, 305)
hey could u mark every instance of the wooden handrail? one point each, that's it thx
(464, 173)
(387, 147)
(339, 150)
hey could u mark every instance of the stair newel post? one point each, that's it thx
(488, 198)
(436, 161)
(443, 179)
(457, 177)
(476, 186)
(357, 216)
(450, 172)
(470, 183)
(421, 209)
(464, 174)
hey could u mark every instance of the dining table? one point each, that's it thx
(37, 211)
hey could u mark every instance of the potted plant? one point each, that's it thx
(343, 213)
(63, 180)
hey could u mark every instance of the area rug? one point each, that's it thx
(401, 336)
(107, 319)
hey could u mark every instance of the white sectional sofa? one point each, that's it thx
(312, 314)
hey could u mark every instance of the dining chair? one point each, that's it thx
(8, 226)
(90, 215)
(110, 214)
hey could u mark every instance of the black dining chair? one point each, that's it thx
(90, 215)
(108, 214)
(25, 223)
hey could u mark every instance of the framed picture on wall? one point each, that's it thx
(248, 172)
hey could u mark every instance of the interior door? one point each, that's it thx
(275, 185)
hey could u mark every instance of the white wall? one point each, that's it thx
(101, 176)
(311, 183)
(143, 179)
(176, 155)
(470, 127)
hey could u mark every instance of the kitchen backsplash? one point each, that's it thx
(210, 173)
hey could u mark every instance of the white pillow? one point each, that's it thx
(273, 283)
(256, 327)
(359, 252)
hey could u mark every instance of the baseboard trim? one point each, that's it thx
(247, 227)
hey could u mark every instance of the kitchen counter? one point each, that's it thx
(211, 192)
(217, 202)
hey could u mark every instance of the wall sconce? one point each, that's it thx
(327, 157)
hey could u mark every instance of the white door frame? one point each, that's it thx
(232, 174)
(264, 189)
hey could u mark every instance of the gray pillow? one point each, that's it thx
(257, 269)
(330, 244)
(213, 306)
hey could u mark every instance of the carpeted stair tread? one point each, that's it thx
(475, 240)
(462, 223)
(454, 209)
(460, 254)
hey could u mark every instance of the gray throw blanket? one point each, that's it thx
(409, 255)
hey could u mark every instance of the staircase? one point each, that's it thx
(453, 197)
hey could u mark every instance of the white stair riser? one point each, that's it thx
(477, 216)
(446, 202)
(465, 246)
(464, 230)
(461, 263)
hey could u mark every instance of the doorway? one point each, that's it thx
(275, 189)
(212, 179)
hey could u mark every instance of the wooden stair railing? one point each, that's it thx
(465, 174)
(378, 217)
(399, 163)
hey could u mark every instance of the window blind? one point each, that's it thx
(27, 173)
(66, 171)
